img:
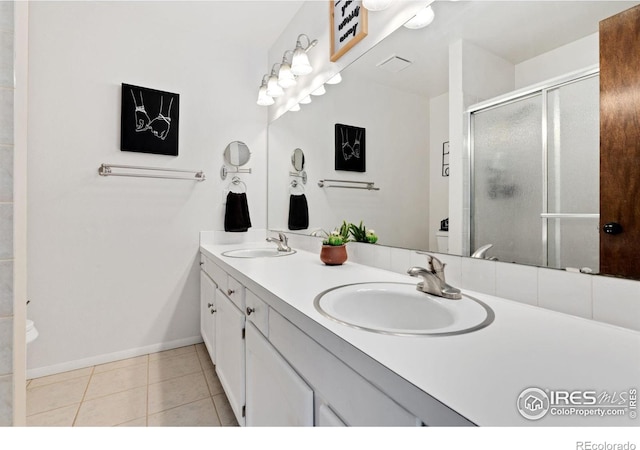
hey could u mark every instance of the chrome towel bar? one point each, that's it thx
(368, 185)
(106, 170)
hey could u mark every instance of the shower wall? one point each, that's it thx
(535, 175)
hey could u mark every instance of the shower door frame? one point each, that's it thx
(518, 95)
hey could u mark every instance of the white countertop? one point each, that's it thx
(479, 374)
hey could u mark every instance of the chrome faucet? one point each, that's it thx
(481, 253)
(433, 280)
(282, 241)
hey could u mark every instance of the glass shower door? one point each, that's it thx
(573, 162)
(506, 180)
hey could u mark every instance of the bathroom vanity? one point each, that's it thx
(282, 362)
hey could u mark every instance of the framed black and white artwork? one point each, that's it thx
(350, 148)
(149, 121)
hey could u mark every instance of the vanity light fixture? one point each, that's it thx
(300, 64)
(286, 78)
(376, 5)
(263, 98)
(306, 100)
(337, 78)
(422, 19)
(320, 91)
(273, 88)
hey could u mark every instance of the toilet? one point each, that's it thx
(32, 332)
(442, 240)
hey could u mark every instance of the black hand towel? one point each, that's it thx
(298, 212)
(236, 216)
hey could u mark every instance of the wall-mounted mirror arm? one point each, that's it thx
(224, 171)
(302, 175)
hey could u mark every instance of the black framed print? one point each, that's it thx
(350, 148)
(149, 121)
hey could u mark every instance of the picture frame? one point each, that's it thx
(149, 120)
(349, 25)
(445, 159)
(350, 148)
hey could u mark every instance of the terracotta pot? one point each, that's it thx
(333, 255)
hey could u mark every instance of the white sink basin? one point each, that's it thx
(267, 252)
(400, 309)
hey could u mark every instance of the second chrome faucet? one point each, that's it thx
(433, 280)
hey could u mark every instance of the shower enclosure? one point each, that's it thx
(534, 184)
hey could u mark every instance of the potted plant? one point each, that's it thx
(334, 246)
(361, 234)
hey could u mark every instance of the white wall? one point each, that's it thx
(438, 185)
(397, 161)
(113, 262)
(6, 213)
(574, 56)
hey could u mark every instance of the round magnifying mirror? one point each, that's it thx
(297, 159)
(237, 154)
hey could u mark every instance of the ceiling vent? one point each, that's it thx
(394, 64)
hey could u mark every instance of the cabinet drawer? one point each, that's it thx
(353, 398)
(257, 312)
(214, 271)
(235, 291)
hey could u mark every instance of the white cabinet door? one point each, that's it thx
(276, 395)
(207, 314)
(230, 362)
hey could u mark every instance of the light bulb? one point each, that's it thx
(422, 19)
(337, 78)
(306, 100)
(286, 78)
(273, 88)
(376, 5)
(300, 63)
(295, 108)
(263, 98)
(320, 91)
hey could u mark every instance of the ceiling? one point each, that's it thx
(513, 30)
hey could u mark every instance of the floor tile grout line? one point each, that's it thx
(184, 404)
(75, 417)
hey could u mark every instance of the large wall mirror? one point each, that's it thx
(405, 93)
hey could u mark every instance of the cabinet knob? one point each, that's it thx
(213, 310)
(230, 291)
(209, 305)
(250, 310)
(202, 263)
(612, 228)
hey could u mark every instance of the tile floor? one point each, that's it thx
(176, 387)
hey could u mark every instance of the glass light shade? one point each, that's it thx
(300, 63)
(273, 88)
(422, 19)
(376, 5)
(286, 78)
(306, 100)
(320, 91)
(295, 107)
(263, 98)
(337, 78)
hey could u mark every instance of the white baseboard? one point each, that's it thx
(110, 357)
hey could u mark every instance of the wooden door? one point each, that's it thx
(620, 144)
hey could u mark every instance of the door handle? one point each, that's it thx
(612, 228)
